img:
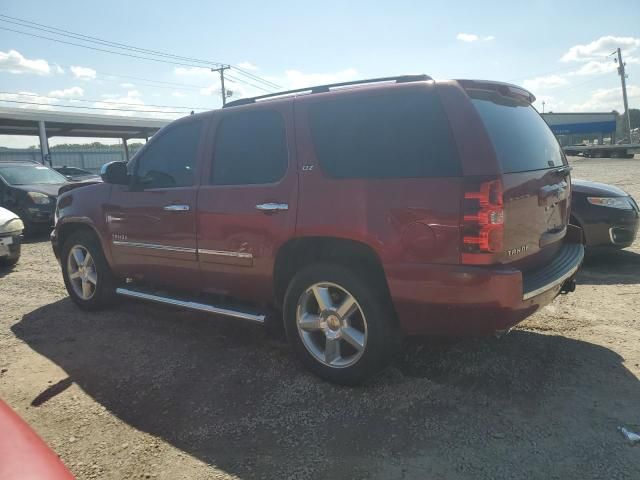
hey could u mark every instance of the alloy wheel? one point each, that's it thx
(331, 324)
(82, 272)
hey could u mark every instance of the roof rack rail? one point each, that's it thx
(326, 88)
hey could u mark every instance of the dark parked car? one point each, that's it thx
(607, 215)
(30, 191)
(371, 210)
(77, 174)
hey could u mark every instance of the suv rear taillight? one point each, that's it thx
(482, 221)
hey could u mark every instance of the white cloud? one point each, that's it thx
(472, 37)
(14, 62)
(178, 94)
(58, 69)
(191, 71)
(606, 100)
(127, 85)
(132, 104)
(83, 73)
(71, 92)
(545, 82)
(297, 79)
(595, 67)
(467, 37)
(213, 89)
(35, 101)
(599, 48)
(248, 66)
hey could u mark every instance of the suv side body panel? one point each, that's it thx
(403, 220)
(238, 242)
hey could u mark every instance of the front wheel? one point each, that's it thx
(86, 273)
(340, 324)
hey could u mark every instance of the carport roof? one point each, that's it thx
(19, 121)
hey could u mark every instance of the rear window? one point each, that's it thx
(30, 175)
(520, 136)
(398, 135)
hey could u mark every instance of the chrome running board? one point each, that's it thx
(202, 307)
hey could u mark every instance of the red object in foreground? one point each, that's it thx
(23, 454)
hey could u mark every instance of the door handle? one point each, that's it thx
(176, 208)
(272, 207)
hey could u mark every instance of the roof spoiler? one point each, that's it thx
(505, 89)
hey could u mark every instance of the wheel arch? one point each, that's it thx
(299, 252)
(68, 227)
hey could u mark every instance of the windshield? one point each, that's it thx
(30, 175)
(520, 136)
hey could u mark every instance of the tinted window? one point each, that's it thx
(170, 159)
(251, 147)
(521, 138)
(30, 175)
(389, 136)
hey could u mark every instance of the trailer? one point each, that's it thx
(623, 150)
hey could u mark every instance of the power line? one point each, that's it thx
(117, 53)
(87, 38)
(102, 49)
(90, 108)
(234, 79)
(256, 77)
(86, 100)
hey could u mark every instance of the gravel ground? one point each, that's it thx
(142, 391)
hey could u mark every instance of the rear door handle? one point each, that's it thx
(176, 208)
(272, 207)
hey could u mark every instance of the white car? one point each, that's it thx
(10, 237)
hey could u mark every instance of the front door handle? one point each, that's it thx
(176, 208)
(272, 207)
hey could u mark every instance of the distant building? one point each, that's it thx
(573, 128)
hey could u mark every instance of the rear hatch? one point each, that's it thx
(536, 185)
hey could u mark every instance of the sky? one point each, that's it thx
(559, 50)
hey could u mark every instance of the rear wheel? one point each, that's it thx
(341, 326)
(86, 273)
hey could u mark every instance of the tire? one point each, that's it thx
(371, 323)
(11, 259)
(102, 285)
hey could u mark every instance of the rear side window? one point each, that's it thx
(397, 135)
(251, 148)
(521, 138)
(170, 159)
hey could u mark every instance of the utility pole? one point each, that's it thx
(224, 92)
(623, 80)
(543, 104)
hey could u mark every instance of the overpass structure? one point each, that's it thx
(49, 123)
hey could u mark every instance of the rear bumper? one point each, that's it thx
(470, 300)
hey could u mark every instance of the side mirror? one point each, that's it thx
(115, 172)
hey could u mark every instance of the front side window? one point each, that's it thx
(251, 148)
(395, 135)
(170, 160)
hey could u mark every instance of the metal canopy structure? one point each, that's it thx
(49, 123)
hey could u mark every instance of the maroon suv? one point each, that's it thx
(363, 211)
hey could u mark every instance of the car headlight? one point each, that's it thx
(623, 203)
(39, 198)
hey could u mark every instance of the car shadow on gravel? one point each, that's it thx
(610, 267)
(526, 405)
